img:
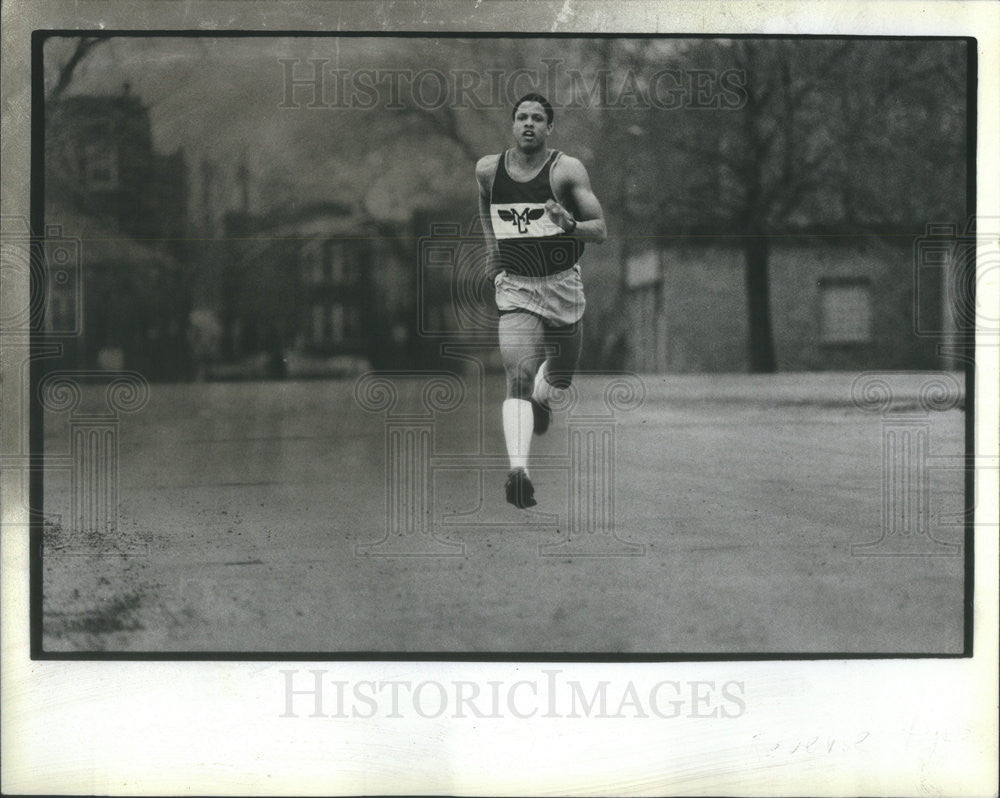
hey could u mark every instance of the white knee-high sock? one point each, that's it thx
(542, 392)
(518, 422)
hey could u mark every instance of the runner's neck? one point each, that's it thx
(526, 166)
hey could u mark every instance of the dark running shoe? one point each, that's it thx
(541, 416)
(520, 491)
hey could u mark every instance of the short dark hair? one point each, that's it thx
(535, 97)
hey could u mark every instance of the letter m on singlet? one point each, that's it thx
(523, 219)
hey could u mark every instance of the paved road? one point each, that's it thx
(253, 517)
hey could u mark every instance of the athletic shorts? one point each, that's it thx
(557, 298)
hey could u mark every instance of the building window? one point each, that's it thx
(100, 166)
(312, 261)
(337, 323)
(322, 324)
(334, 265)
(351, 266)
(352, 323)
(845, 315)
(340, 265)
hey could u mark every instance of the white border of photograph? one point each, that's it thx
(858, 727)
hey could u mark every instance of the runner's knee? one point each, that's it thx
(520, 382)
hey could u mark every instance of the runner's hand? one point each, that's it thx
(559, 215)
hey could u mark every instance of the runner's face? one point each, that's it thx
(531, 126)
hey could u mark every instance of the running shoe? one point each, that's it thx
(520, 491)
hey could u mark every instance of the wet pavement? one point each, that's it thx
(682, 515)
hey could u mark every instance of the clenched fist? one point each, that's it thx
(561, 216)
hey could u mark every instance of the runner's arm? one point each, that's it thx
(570, 179)
(484, 175)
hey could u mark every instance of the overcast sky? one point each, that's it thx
(219, 98)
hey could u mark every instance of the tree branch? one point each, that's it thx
(83, 47)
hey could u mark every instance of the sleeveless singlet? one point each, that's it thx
(530, 243)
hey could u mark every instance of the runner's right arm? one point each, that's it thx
(485, 170)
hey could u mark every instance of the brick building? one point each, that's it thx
(100, 158)
(836, 304)
(323, 290)
(127, 204)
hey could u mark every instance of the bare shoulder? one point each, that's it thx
(569, 170)
(486, 166)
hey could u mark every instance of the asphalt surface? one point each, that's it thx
(267, 517)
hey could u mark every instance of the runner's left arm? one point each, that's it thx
(570, 179)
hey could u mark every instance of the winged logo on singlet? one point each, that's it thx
(523, 219)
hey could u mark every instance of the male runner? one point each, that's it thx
(537, 210)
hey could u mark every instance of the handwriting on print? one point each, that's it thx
(809, 745)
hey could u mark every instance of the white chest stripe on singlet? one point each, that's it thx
(522, 220)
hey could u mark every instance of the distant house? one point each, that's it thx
(298, 283)
(324, 289)
(126, 207)
(115, 302)
(330, 254)
(454, 298)
(100, 158)
(836, 303)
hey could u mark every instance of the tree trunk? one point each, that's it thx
(761, 342)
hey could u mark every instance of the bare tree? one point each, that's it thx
(830, 134)
(67, 69)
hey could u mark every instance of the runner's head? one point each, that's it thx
(534, 97)
(532, 122)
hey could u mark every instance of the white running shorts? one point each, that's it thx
(557, 298)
